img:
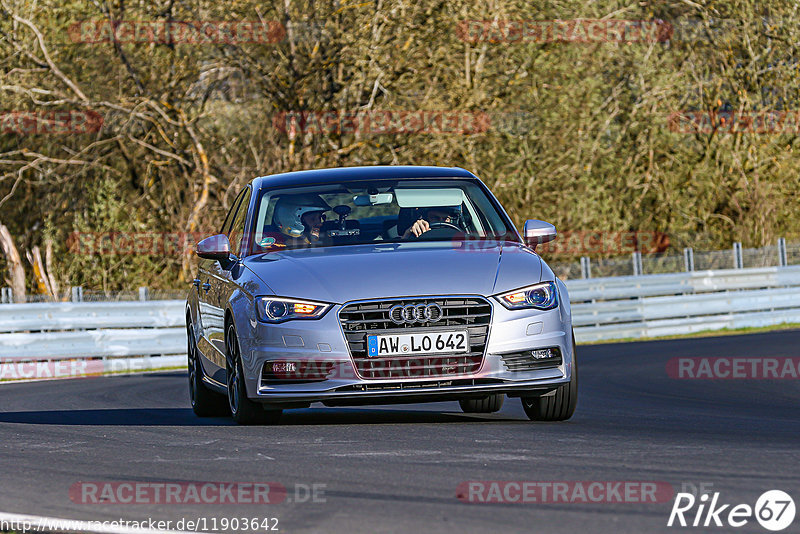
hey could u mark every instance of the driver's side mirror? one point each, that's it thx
(537, 232)
(217, 247)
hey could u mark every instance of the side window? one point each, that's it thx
(226, 226)
(236, 234)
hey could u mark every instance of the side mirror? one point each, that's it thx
(537, 232)
(217, 247)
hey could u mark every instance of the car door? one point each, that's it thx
(212, 314)
(221, 285)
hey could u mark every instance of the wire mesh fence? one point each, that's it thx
(669, 262)
(662, 263)
(77, 294)
(603, 267)
(714, 260)
(760, 257)
(121, 296)
(793, 254)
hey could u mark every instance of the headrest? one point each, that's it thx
(405, 218)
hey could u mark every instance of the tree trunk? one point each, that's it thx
(48, 263)
(15, 269)
(40, 276)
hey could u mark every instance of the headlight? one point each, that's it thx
(278, 309)
(539, 297)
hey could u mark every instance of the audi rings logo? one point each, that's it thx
(415, 313)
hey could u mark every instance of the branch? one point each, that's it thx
(53, 67)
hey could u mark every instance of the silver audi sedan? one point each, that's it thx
(376, 285)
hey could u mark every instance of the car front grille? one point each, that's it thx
(366, 318)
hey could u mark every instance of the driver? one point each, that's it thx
(298, 219)
(432, 216)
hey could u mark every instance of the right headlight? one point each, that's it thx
(542, 296)
(279, 309)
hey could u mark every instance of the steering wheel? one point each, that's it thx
(437, 226)
(444, 224)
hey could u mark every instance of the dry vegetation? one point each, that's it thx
(186, 124)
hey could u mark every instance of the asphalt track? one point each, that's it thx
(396, 469)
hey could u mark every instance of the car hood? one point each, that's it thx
(360, 272)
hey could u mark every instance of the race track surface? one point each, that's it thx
(397, 468)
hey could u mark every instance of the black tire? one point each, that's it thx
(205, 403)
(489, 404)
(243, 410)
(559, 406)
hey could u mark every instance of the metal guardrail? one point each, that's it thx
(602, 309)
(60, 316)
(683, 303)
(62, 330)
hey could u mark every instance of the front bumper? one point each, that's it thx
(322, 343)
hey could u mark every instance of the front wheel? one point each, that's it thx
(205, 403)
(558, 406)
(243, 410)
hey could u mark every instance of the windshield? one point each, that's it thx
(364, 212)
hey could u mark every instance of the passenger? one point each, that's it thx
(296, 222)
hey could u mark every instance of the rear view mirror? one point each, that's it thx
(217, 247)
(537, 232)
(372, 200)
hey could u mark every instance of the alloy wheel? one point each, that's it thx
(232, 370)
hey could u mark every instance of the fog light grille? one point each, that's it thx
(532, 360)
(296, 371)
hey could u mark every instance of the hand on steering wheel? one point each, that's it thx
(422, 226)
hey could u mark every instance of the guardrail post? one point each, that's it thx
(637, 263)
(586, 267)
(737, 256)
(77, 294)
(782, 259)
(688, 259)
(144, 293)
(6, 297)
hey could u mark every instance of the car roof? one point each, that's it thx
(348, 174)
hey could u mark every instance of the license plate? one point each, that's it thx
(422, 343)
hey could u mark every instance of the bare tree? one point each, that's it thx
(15, 270)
